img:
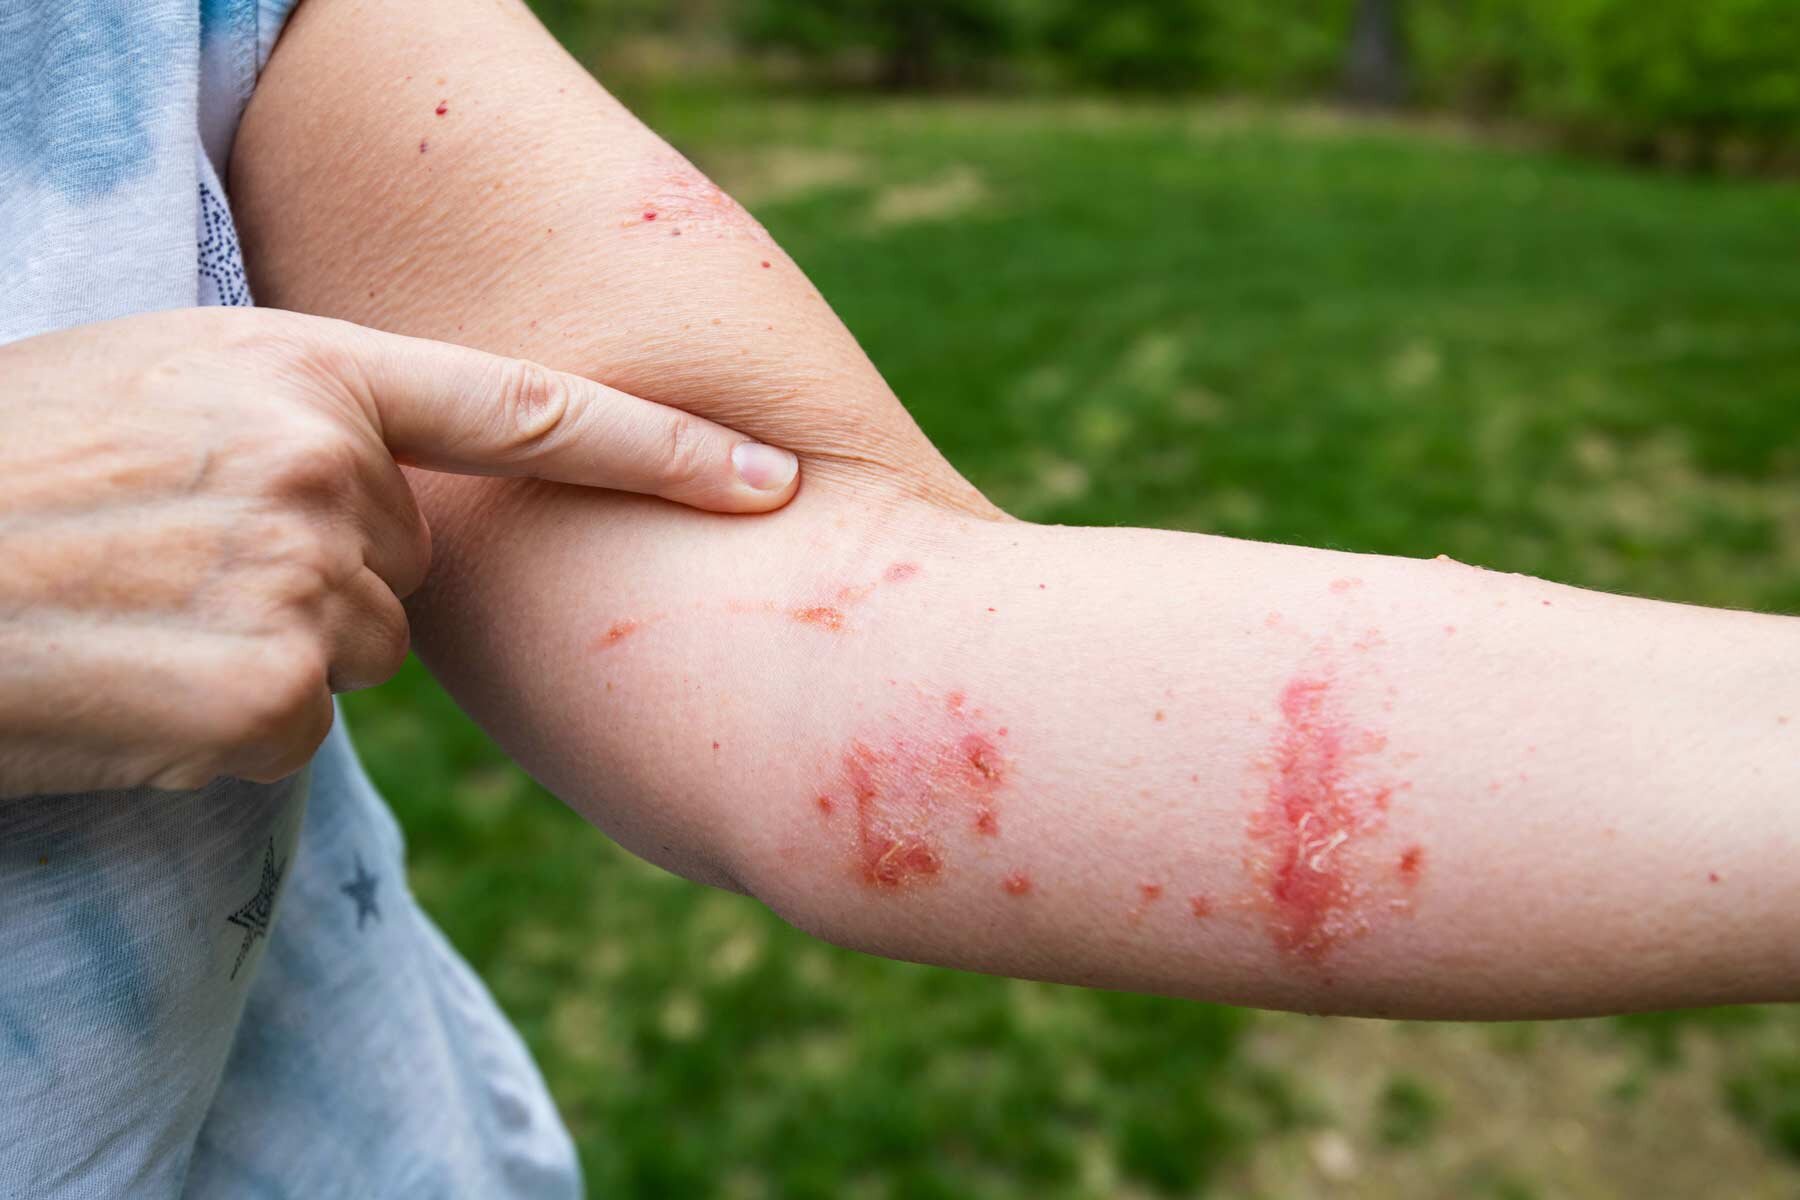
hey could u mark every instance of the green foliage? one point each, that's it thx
(912, 43)
(1408, 1112)
(1621, 69)
(1767, 1096)
(1698, 80)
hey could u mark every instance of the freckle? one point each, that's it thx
(1201, 906)
(1160, 716)
(609, 686)
(715, 320)
(674, 233)
(1016, 884)
(443, 107)
(371, 293)
(442, 82)
(1712, 877)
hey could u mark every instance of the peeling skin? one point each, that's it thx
(1320, 805)
(917, 788)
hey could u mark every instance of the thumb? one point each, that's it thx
(450, 408)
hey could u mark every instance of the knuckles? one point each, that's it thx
(533, 405)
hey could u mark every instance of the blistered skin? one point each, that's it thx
(1326, 796)
(904, 796)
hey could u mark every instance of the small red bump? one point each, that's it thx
(825, 804)
(821, 615)
(765, 264)
(443, 107)
(617, 632)
(899, 571)
(423, 145)
(1712, 877)
(1152, 892)
(1016, 884)
(986, 823)
(715, 745)
(1546, 604)
(1450, 630)
(1201, 906)
(954, 701)
(1411, 860)
(649, 216)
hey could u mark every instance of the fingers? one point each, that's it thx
(454, 409)
(366, 632)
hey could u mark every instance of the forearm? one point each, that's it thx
(1252, 773)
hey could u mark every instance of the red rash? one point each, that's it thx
(911, 786)
(615, 633)
(1315, 813)
(821, 615)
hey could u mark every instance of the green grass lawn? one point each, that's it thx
(1283, 327)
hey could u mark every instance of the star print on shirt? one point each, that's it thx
(362, 890)
(253, 918)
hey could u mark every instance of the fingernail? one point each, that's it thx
(764, 468)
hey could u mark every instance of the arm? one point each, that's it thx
(1158, 761)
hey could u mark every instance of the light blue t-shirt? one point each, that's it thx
(228, 992)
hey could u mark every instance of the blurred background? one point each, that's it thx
(1513, 280)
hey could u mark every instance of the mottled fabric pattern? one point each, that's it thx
(227, 992)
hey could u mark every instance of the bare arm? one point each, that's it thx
(1136, 759)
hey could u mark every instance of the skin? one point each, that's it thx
(1125, 758)
(206, 529)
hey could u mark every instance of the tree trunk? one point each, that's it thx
(1375, 72)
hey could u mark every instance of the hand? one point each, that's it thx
(206, 531)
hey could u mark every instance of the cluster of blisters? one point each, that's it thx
(903, 795)
(1318, 872)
